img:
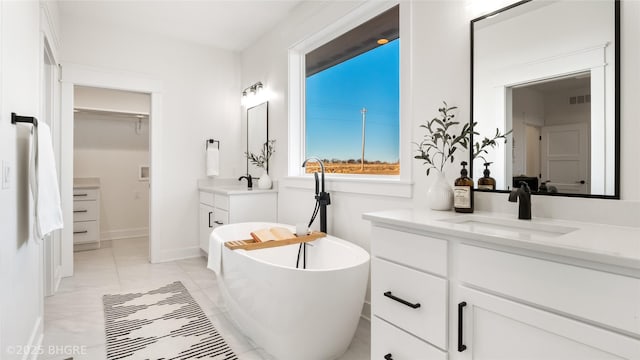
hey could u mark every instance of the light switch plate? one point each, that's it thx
(6, 173)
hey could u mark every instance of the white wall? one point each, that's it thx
(110, 149)
(111, 100)
(21, 57)
(558, 111)
(201, 100)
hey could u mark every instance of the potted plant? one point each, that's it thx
(439, 147)
(262, 161)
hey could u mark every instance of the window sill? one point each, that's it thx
(354, 185)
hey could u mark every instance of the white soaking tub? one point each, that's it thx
(293, 314)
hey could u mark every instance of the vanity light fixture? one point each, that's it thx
(251, 93)
(253, 89)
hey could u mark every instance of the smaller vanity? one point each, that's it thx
(489, 286)
(226, 204)
(86, 213)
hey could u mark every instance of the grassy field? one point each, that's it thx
(356, 168)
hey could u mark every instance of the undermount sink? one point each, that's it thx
(508, 227)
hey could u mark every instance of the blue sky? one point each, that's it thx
(336, 96)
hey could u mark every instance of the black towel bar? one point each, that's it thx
(211, 141)
(23, 119)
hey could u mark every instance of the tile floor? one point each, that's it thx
(74, 319)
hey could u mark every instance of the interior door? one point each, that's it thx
(52, 266)
(565, 157)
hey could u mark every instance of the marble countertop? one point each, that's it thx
(234, 190)
(615, 245)
(86, 183)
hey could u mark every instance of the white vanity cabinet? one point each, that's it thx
(481, 300)
(86, 213)
(222, 206)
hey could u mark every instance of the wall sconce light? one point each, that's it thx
(251, 94)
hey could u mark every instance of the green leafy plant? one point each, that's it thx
(261, 160)
(481, 148)
(442, 140)
(440, 144)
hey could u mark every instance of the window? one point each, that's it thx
(352, 99)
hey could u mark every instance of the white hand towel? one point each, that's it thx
(215, 253)
(44, 183)
(213, 161)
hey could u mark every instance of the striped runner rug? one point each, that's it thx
(166, 323)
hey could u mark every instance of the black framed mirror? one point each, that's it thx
(257, 135)
(549, 71)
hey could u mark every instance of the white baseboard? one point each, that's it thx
(176, 254)
(35, 340)
(124, 233)
(366, 310)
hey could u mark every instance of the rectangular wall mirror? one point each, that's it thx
(257, 134)
(549, 71)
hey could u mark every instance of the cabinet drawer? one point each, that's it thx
(85, 210)
(85, 194)
(206, 198)
(221, 201)
(221, 217)
(599, 296)
(429, 320)
(417, 251)
(85, 232)
(388, 339)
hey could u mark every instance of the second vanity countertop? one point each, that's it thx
(615, 245)
(86, 183)
(233, 189)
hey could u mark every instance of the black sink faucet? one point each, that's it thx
(522, 195)
(249, 181)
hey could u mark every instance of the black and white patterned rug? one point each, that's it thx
(166, 323)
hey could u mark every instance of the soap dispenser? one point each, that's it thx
(463, 192)
(487, 182)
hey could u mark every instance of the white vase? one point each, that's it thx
(265, 181)
(440, 194)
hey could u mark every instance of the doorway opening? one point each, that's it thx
(551, 122)
(111, 166)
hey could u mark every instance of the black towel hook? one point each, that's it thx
(23, 119)
(211, 141)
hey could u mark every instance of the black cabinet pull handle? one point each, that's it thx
(388, 357)
(218, 222)
(403, 301)
(79, 211)
(81, 232)
(210, 212)
(461, 347)
(80, 194)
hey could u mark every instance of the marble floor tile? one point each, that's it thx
(204, 278)
(193, 265)
(81, 329)
(74, 315)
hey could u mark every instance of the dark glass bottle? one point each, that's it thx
(463, 192)
(487, 182)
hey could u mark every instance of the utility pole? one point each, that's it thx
(364, 123)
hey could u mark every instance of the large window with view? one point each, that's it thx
(352, 99)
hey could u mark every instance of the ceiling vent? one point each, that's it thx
(580, 99)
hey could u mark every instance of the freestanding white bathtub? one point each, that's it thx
(293, 314)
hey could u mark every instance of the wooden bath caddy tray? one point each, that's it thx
(253, 244)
